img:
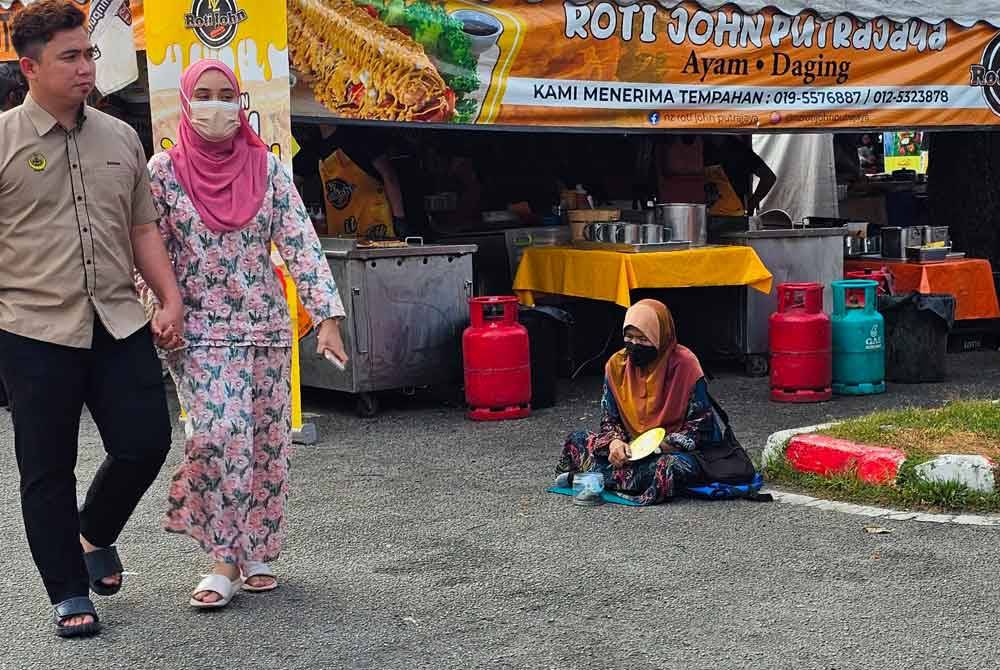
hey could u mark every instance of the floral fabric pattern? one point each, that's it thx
(229, 492)
(233, 374)
(230, 290)
(652, 480)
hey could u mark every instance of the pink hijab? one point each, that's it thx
(226, 181)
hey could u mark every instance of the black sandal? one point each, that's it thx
(75, 607)
(101, 564)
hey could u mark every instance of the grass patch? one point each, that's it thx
(962, 427)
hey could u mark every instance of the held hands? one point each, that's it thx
(619, 453)
(328, 340)
(168, 326)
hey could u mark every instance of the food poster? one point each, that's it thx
(643, 65)
(250, 36)
(905, 150)
(8, 8)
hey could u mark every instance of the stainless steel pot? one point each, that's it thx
(686, 221)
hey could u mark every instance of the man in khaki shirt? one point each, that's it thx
(76, 216)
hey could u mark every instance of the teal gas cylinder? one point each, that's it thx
(858, 339)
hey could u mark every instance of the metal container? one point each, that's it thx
(627, 233)
(599, 232)
(896, 239)
(654, 234)
(406, 308)
(873, 245)
(854, 246)
(932, 234)
(687, 221)
(927, 255)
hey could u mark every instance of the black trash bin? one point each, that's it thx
(543, 325)
(916, 336)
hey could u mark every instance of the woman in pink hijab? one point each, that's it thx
(224, 199)
(653, 382)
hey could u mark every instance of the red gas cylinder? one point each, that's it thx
(497, 362)
(882, 276)
(801, 346)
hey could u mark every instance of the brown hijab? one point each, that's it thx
(657, 396)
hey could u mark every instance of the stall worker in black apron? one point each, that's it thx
(359, 187)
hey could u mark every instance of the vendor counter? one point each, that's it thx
(706, 288)
(611, 276)
(970, 280)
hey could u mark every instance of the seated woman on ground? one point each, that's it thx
(652, 383)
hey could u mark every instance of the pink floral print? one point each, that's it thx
(233, 374)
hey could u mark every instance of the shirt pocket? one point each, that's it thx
(109, 194)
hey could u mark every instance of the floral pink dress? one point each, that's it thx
(233, 375)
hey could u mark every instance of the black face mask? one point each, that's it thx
(640, 355)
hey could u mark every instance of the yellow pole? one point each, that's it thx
(302, 433)
(293, 312)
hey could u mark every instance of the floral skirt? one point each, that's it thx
(229, 493)
(652, 480)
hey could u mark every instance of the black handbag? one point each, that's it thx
(725, 461)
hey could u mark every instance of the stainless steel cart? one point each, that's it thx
(792, 255)
(406, 310)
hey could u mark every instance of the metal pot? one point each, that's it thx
(686, 221)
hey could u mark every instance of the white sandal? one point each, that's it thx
(258, 569)
(218, 584)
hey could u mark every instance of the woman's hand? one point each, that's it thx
(328, 340)
(168, 326)
(619, 453)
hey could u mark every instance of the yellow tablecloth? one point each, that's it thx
(611, 275)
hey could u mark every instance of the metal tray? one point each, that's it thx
(673, 245)
(923, 255)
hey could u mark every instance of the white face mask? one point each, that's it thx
(214, 120)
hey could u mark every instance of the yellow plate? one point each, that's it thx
(646, 444)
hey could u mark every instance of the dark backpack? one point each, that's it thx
(727, 467)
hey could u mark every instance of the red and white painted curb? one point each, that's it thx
(817, 454)
(826, 456)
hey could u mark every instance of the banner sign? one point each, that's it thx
(643, 65)
(7, 11)
(250, 36)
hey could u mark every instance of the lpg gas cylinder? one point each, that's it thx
(858, 339)
(881, 276)
(497, 359)
(801, 340)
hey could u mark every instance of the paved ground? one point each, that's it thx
(423, 541)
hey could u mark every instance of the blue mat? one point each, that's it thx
(608, 496)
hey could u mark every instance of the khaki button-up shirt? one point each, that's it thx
(68, 202)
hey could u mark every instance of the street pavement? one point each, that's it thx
(421, 540)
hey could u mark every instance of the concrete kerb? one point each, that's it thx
(774, 449)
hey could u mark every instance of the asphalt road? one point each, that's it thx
(421, 540)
